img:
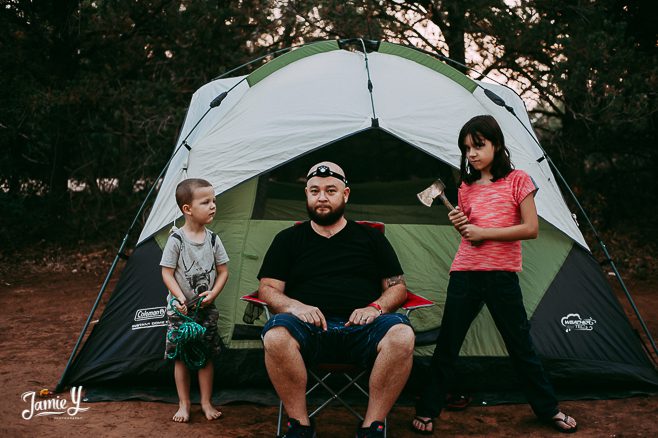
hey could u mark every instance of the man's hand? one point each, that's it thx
(309, 314)
(362, 316)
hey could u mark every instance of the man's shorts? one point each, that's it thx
(206, 317)
(339, 344)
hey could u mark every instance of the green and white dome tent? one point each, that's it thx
(391, 116)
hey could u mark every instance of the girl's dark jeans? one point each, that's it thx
(500, 291)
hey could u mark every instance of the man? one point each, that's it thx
(334, 287)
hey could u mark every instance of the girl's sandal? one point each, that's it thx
(427, 422)
(555, 422)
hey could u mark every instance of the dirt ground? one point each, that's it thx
(44, 311)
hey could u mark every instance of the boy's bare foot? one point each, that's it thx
(182, 415)
(210, 412)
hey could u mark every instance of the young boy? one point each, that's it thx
(194, 264)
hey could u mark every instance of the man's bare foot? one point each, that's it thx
(182, 415)
(210, 412)
(564, 423)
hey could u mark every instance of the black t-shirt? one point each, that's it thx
(337, 274)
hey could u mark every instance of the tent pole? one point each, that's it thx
(215, 102)
(500, 102)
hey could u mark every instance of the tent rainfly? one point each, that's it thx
(390, 115)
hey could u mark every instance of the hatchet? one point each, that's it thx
(437, 190)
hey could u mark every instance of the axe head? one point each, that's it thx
(428, 195)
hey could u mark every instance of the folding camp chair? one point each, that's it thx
(322, 372)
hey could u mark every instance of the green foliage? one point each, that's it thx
(593, 66)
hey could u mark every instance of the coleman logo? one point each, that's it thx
(573, 321)
(150, 313)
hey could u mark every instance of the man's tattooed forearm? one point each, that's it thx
(392, 281)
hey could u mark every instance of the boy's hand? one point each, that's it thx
(181, 307)
(207, 298)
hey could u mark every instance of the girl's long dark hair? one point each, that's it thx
(481, 128)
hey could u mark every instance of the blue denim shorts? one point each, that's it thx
(339, 344)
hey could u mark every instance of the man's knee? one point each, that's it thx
(278, 339)
(399, 339)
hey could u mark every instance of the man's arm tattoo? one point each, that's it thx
(392, 281)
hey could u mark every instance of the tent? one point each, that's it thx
(390, 115)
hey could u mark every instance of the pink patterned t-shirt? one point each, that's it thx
(494, 205)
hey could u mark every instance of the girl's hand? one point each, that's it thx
(458, 218)
(472, 233)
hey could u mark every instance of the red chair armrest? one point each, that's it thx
(380, 226)
(416, 302)
(253, 298)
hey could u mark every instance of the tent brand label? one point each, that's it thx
(149, 318)
(57, 407)
(150, 313)
(573, 321)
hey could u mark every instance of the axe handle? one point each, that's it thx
(446, 202)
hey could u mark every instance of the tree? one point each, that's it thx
(95, 91)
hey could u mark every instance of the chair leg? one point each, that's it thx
(279, 420)
(317, 382)
(335, 395)
(356, 383)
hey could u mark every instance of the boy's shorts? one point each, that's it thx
(339, 344)
(207, 317)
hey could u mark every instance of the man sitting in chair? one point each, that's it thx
(333, 286)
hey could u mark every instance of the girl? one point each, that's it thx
(496, 209)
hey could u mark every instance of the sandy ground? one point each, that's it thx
(43, 313)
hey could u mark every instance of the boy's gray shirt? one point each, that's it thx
(193, 263)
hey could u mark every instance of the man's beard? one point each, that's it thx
(326, 219)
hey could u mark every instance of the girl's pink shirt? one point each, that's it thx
(494, 205)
